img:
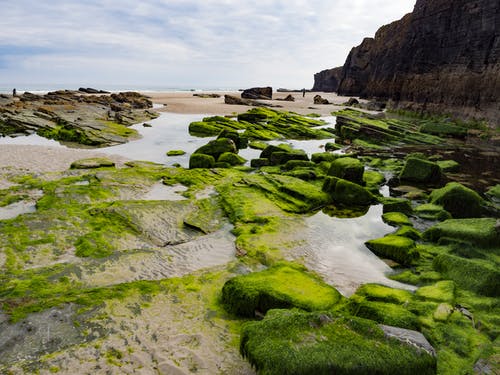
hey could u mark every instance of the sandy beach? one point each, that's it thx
(185, 102)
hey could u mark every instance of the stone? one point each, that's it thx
(420, 171)
(201, 161)
(409, 337)
(258, 93)
(458, 200)
(349, 169)
(217, 147)
(328, 80)
(319, 100)
(92, 163)
(352, 102)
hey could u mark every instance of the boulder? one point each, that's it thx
(347, 192)
(234, 100)
(231, 159)
(351, 102)
(420, 171)
(240, 141)
(217, 147)
(258, 93)
(458, 200)
(201, 161)
(91, 163)
(399, 249)
(350, 169)
(319, 100)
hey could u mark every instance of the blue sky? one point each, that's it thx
(183, 43)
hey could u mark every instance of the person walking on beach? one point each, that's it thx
(303, 92)
(14, 92)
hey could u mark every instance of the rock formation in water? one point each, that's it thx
(443, 57)
(328, 80)
(258, 93)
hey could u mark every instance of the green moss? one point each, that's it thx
(373, 180)
(346, 192)
(397, 205)
(399, 249)
(480, 232)
(92, 163)
(349, 169)
(477, 275)
(431, 211)
(69, 134)
(443, 129)
(396, 219)
(201, 161)
(494, 193)
(449, 165)
(420, 171)
(93, 245)
(231, 159)
(288, 342)
(381, 293)
(217, 147)
(176, 152)
(258, 145)
(409, 232)
(280, 286)
(458, 200)
(324, 156)
(442, 291)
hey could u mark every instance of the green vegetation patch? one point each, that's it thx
(217, 147)
(281, 286)
(231, 159)
(482, 231)
(399, 249)
(458, 200)
(448, 165)
(442, 291)
(348, 193)
(431, 211)
(397, 205)
(420, 171)
(410, 232)
(382, 293)
(92, 163)
(349, 169)
(201, 161)
(176, 152)
(293, 342)
(396, 219)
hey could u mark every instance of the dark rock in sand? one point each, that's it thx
(319, 100)
(352, 102)
(90, 90)
(207, 96)
(288, 98)
(258, 93)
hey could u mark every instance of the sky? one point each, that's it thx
(183, 43)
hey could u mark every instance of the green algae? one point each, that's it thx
(201, 161)
(480, 231)
(431, 211)
(408, 231)
(176, 152)
(231, 159)
(420, 171)
(399, 249)
(396, 219)
(283, 285)
(322, 343)
(397, 205)
(348, 193)
(458, 200)
(347, 168)
(442, 291)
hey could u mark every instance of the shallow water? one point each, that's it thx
(335, 249)
(159, 191)
(15, 209)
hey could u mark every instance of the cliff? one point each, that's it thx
(442, 57)
(328, 80)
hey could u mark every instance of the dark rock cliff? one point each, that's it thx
(328, 80)
(443, 57)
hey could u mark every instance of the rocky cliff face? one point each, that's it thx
(328, 80)
(443, 57)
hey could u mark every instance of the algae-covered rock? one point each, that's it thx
(240, 141)
(477, 275)
(409, 232)
(217, 147)
(442, 291)
(324, 156)
(176, 152)
(346, 192)
(396, 219)
(458, 200)
(281, 286)
(348, 169)
(449, 165)
(494, 193)
(270, 149)
(431, 211)
(92, 163)
(399, 249)
(231, 159)
(479, 232)
(294, 342)
(420, 171)
(258, 163)
(282, 157)
(397, 205)
(201, 161)
(382, 293)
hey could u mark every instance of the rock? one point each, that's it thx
(230, 99)
(351, 102)
(397, 205)
(258, 163)
(348, 169)
(146, 125)
(240, 141)
(443, 57)
(201, 161)
(206, 96)
(396, 219)
(258, 93)
(328, 80)
(176, 152)
(347, 193)
(134, 99)
(420, 171)
(409, 337)
(90, 90)
(231, 159)
(458, 200)
(319, 100)
(399, 249)
(217, 147)
(92, 163)
(288, 98)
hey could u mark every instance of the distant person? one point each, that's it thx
(303, 92)
(14, 92)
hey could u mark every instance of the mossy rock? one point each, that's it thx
(231, 159)
(384, 313)
(373, 180)
(399, 249)
(443, 129)
(409, 232)
(294, 342)
(176, 152)
(203, 129)
(382, 293)
(259, 163)
(221, 164)
(442, 312)
(282, 157)
(240, 141)
(91, 163)
(217, 147)
(397, 205)
(258, 145)
(458, 200)
(324, 156)
(349, 169)
(449, 165)
(494, 193)
(442, 291)
(431, 211)
(477, 275)
(292, 164)
(281, 286)
(270, 149)
(330, 146)
(396, 219)
(201, 161)
(420, 171)
(348, 193)
(479, 232)
(258, 115)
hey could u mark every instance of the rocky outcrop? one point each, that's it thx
(258, 93)
(328, 80)
(94, 120)
(444, 57)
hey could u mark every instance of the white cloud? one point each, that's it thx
(184, 42)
